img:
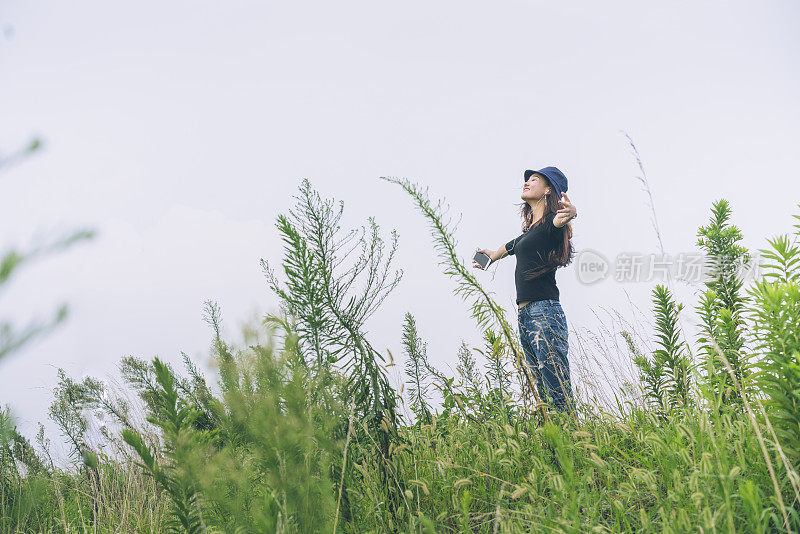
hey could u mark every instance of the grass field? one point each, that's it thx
(302, 432)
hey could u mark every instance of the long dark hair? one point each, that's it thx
(562, 254)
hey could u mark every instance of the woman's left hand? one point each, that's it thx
(566, 213)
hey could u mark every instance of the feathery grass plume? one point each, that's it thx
(646, 189)
(451, 397)
(486, 312)
(416, 370)
(673, 366)
(446, 385)
(321, 296)
(180, 440)
(722, 307)
(776, 315)
(44, 446)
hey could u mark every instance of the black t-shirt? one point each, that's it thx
(531, 249)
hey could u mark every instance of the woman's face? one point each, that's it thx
(534, 188)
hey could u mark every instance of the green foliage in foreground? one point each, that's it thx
(13, 260)
(303, 434)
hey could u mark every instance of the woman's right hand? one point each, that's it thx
(486, 251)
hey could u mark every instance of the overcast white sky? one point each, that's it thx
(180, 130)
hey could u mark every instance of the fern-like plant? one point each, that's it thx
(321, 298)
(722, 306)
(468, 369)
(776, 313)
(416, 370)
(666, 374)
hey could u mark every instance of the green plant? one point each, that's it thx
(11, 260)
(319, 297)
(776, 313)
(468, 369)
(722, 306)
(667, 372)
(180, 439)
(276, 473)
(416, 370)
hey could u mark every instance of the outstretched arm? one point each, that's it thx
(566, 213)
(495, 255)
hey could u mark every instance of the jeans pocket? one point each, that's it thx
(536, 308)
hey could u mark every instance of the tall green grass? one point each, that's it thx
(302, 431)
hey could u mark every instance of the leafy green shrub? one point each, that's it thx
(776, 314)
(722, 306)
(277, 472)
(320, 301)
(667, 373)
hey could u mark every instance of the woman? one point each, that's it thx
(543, 247)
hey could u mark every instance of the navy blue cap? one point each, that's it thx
(555, 176)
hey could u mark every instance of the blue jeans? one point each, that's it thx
(543, 332)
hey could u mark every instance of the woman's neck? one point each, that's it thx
(537, 209)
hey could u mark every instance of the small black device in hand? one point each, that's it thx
(483, 259)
